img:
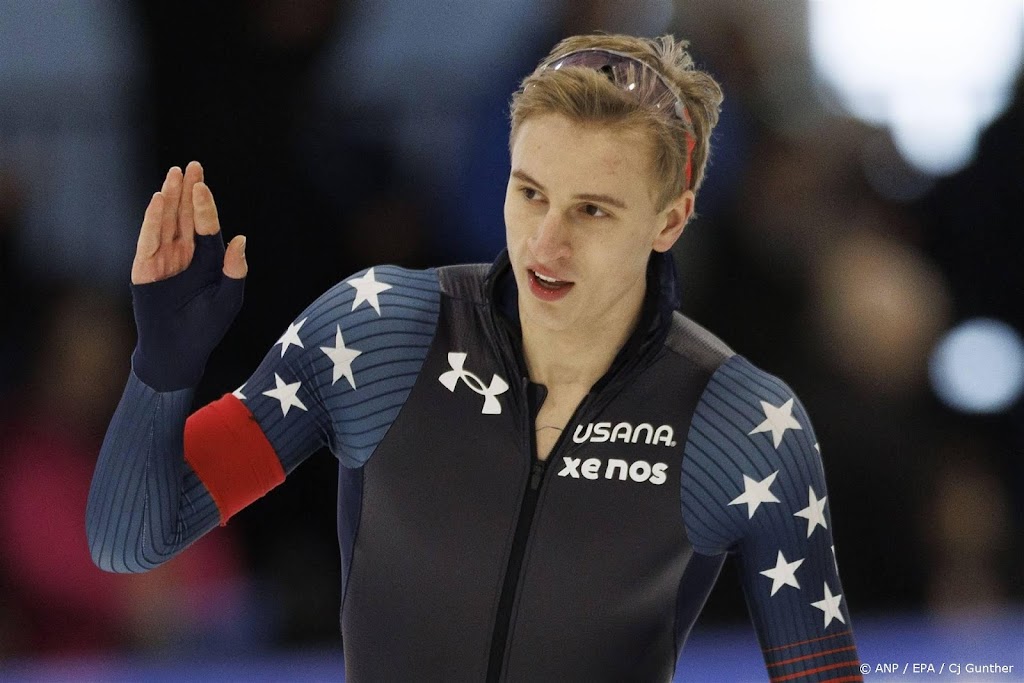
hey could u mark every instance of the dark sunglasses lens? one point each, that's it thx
(625, 72)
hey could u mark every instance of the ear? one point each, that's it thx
(672, 220)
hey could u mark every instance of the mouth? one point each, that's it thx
(548, 282)
(546, 287)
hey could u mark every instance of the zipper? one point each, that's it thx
(527, 510)
(505, 337)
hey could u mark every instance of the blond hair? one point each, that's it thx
(588, 96)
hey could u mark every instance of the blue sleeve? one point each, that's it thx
(753, 484)
(344, 367)
(338, 376)
(145, 502)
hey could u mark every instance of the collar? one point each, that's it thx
(660, 301)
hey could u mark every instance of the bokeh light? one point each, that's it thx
(978, 367)
(935, 72)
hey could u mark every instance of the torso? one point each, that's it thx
(557, 410)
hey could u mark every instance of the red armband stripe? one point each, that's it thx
(232, 457)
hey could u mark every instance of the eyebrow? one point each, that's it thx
(601, 198)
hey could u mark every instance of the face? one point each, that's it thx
(580, 211)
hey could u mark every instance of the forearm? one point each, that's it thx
(145, 503)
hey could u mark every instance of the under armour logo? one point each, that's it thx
(451, 379)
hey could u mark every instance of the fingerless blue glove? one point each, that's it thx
(181, 319)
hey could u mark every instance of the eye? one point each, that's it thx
(595, 211)
(529, 193)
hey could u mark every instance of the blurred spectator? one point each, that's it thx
(968, 530)
(16, 301)
(55, 601)
(880, 306)
(70, 125)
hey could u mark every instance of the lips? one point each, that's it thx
(547, 286)
(548, 276)
(550, 282)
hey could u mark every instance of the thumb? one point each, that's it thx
(235, 266)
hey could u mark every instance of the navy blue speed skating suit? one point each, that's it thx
(464, 557)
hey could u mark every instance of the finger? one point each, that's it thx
(235, 266)
(149, 235)
(193, 174)
(205, 214)
(172, 193)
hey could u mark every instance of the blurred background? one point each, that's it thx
(859, 235)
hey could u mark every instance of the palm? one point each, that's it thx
(168, 260)
(182, 209)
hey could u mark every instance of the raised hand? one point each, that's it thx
(183, 208)
(186, 287)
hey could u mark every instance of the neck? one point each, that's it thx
(578, 357)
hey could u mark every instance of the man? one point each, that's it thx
(543, 465)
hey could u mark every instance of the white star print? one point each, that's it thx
(777, 420)
(817, 448)
(814, 513)
(367, 289)
(286, 394)
(342, 359)
(830, 606)
(237, 393)
(755, 493)
(291, 337)
(783, 574)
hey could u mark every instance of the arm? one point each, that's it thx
(162, 482)
(146, 503)
(756, 487)
(338, 376)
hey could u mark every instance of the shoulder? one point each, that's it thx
(380, 287)
(464, 281)
(352, 355)
(378, 299)
(750, 445)
(736, 389)
(371, 320)
(741, 395)
(689, 340)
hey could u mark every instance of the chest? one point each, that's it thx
(554, 416)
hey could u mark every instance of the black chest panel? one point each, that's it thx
(597, 593)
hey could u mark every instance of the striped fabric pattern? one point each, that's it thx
(392, 344)
(753, 484)
(146, 503)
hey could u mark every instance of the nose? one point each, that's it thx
(550, 241)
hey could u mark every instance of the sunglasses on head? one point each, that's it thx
(633, 76)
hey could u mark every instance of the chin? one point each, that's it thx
(552, 318)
